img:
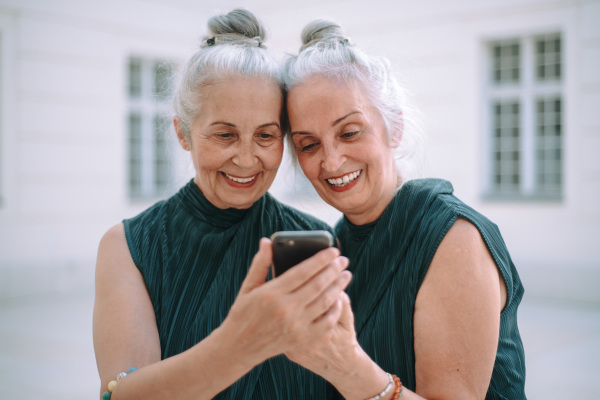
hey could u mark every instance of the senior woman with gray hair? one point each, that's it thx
(434, 292)
(174, 295)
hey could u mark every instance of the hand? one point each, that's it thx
(330, 354)
(337, 357)
(269, 318)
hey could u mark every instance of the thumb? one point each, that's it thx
(259, 269)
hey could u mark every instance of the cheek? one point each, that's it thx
(272, 156)
(209, 160)
(309, 166)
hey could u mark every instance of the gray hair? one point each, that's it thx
(234, 47)
(326, 51)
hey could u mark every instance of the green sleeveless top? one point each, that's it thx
(389, 259)
(193, 257)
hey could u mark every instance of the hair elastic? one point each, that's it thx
(233, 38)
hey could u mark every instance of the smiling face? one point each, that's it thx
(342, 147)
(236, 140)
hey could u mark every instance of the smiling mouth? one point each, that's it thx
(240, 180)
(344, 180)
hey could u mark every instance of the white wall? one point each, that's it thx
(63, 127)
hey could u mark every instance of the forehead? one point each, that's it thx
(241, 92)
(323, 98)
(317, 89)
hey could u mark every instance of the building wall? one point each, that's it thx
(63, 138)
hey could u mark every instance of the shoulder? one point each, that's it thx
(463, 261)
(113, 248)
(422, 198)
(463, 241)
(425, 189)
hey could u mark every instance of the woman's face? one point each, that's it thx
(342, 147)
(236, 140)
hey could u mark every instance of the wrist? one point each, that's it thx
(226, 351)
(365, 380)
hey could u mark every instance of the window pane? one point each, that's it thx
(506, 62)
(135, 78)
(163, 80)
(135, 154)
(161, 154)
(506, 148)
(548, 143)
(150, 85)
(548, 58)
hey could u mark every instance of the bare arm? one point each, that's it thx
(457, 318)
(456, 329)
(126, 335)
(125, 332)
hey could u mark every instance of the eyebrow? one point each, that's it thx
(337, 121)
(234, 126)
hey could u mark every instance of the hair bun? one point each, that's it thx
(239, 21)
(322, 30)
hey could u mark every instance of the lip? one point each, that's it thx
(345, 187)
(239, 185)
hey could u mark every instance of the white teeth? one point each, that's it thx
(241, 180)
(346, 179)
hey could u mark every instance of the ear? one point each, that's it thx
(397, 133)
(396, 139)
(183, 141)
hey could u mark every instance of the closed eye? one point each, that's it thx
(308, 148)
(225, 137)
(349, 135)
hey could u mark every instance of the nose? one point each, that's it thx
(333, 159)
(245, 156)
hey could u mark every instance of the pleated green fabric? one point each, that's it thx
(389, 259)
(193, 257)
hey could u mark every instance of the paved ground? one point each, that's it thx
(46, 349)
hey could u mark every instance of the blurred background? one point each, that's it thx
(510, 96)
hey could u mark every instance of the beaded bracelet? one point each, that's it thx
(112, 384)
(386, 390)
(399, 388)
(394, 381)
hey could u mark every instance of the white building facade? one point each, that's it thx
(509, 90)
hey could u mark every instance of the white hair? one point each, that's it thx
(234, 47)
(326, 51)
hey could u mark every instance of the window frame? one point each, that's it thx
(526, 91)
(8, 77)
(149, 106)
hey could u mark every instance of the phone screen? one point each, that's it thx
(292, 247)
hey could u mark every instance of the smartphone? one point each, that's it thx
(292, 247)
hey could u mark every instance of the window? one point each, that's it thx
(525, 104)
(150, 88)
(2, 167)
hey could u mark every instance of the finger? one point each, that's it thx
(319, 283)
(324, 302)
(347, 316)
(259, 269)
(298, 275)
(329, 319)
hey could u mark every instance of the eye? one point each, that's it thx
(349, 135)
(264, 136)
(225, 136)
(308, 147)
